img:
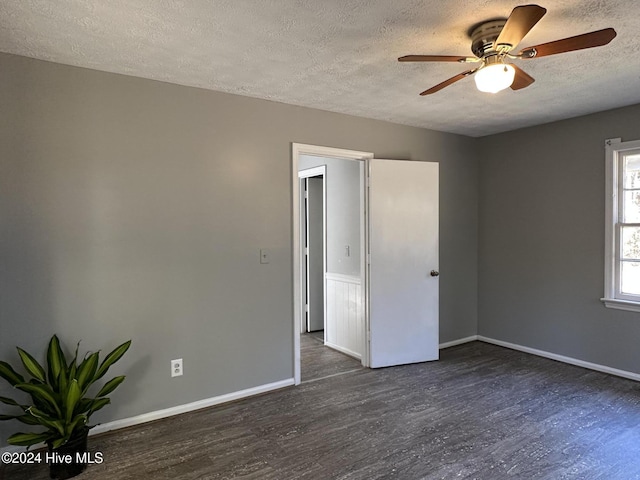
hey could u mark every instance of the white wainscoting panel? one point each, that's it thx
(345, 314)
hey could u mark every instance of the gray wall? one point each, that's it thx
(343, 211)
(136, 209)
(541, 241)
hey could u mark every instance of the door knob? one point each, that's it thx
(435, 273)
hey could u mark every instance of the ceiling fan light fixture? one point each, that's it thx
(492, 42)
(495, 77)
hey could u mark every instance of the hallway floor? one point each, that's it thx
(318, 361)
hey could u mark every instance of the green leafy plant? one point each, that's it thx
(59, 394)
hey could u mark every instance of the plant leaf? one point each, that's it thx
(28, 439)
(78, 420)
(63, 384)
(73, 396)
(75, 356)
(9, 374)
(110, 386)
(59, 442)
(87, 371)
(28, 419)
(73, 365)
(84, 405)
(72, 372)
(71, 427)
(11, 401)
(44, 405)
(55, 361)
(32, 365)
(46, 421)
(112, 358)
(41, 395)
(98, 404)
(9, 417)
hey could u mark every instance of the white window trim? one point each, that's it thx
(613, 298)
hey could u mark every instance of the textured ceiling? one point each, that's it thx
(339, 55)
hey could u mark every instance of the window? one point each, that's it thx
(622, 240)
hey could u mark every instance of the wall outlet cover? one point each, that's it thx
(176, 367)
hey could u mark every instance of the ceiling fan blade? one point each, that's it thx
(579, 42)
(519, 23)
(448, 82)
(437, 58)
(522, 79)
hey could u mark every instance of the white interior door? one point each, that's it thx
(315, 253)
(403, 247)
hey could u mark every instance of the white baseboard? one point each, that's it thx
(190, 407)
(177, 410)
(339, 277)
(346, 351)
(542, 353)
(459, 341)
(562, 358)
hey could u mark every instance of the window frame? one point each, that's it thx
(613, 296)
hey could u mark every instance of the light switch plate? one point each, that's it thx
(264, 256)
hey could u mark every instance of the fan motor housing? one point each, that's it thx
(484, 35)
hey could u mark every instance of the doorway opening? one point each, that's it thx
(313, 232)
(343, 280)
(381, 286)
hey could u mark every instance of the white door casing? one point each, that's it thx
(297, 150)
(401, 307)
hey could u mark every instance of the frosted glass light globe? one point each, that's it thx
(495, 77)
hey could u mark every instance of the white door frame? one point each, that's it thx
(320, 171)
(298, 149)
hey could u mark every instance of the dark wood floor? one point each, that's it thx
(318, 361)
(481, 412)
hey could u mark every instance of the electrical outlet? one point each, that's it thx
(176, 367)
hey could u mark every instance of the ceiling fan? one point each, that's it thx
(492, 43)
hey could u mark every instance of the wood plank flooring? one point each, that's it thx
(318, 361)
(481, 412)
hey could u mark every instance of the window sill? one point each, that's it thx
(621, 304)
